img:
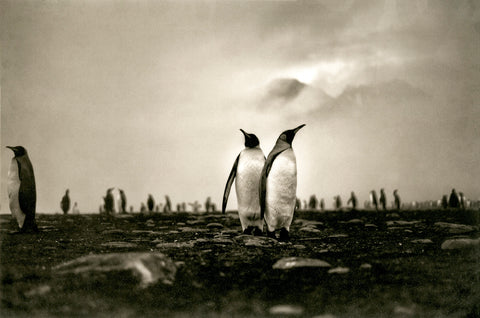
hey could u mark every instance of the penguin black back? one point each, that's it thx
(27, 195)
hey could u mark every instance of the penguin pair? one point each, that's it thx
(21, 189)
(266, 188)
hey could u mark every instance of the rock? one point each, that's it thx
(310, 229)
(148, 267)
(175, 245)
(194, 230)
(114, 232)
(365, 266)
(142, 232)
(214, 226)
(193, 222)
(402, 223)
(422, 241)
(256, 241)
(339, 270)
(402, 310)
(338, 235)
(454, 228)
(355, 221)
(38, 291)
(118, 244)
(295, 262)
(393, 215)
(286, 310)
(299, 246)
(370, 225)
(462, 243)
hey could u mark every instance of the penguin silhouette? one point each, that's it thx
(278, 185)
(65, 203)
(383, 199)
(247, 171)
(150, 203)
(397, 199)
(123, 202)
(22, 193)
(109, 201)
(353, 200)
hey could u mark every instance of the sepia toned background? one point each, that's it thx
(149, 96)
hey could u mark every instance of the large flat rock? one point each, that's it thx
(150, 268)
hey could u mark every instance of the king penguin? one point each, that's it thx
(21, 190)
(246, 171)
(278, 185)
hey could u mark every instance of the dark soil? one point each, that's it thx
(391, 272)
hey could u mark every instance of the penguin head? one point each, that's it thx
(288, 135)
(18, 150)
(251, 141)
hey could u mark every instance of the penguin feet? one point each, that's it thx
(257, 232)
(271, 234)
(284, 234)
(248, 230)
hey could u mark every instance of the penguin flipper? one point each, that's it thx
(27, 196)
(265, 171)
(231, 177)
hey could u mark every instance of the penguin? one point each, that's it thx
(109, 202)
(123, 202)
(22, 193)
(278, 185)
(65, 203)
(247, 171)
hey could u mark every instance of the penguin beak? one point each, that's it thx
(298, 128)
(243, 131)
(9, 147)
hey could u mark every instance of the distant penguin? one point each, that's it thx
(383, 199)
(278, 185)
(123, 202)
(109, 202)
(150, 203)
(65, 203)
(21, 190)
(397, 199)
(247, 171)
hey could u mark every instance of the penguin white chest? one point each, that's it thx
(281, 191)
(13, 187)
(247, 183)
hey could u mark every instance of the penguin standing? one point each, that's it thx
(21, 190)
(123, 202)
(278, 185)
(65, 203)
(247, 171)
(109, 202)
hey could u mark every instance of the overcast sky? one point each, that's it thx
(149, 96)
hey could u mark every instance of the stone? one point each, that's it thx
(175, 245)
(422, 241)
(214, 226)
(256, 241)
(286, 310)
(454, 228)
(402, 223)
(310, 229)
(365, 266)
(338, 235)
(38, 291)
(150, 268)
(461, 243)
(114, 232)
(296, 262)
(370, 225)
(339, 270)
(355, 221)
(119, 245)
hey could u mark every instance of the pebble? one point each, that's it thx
(338, 235)
(310, 229)
(365, 266)
(38, 291)
(175, 245)
(462, 243)
(108, 232)
(214, 226)
(286, 310)
(401, 222)
(149, 267)
(256, 241)
(118, 244)
(422, 241)
(371, 225)
(454, 228)
(295, 262)
(339, 270)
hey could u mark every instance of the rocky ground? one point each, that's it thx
(337, 264)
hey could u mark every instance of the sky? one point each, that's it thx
(149, 96)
